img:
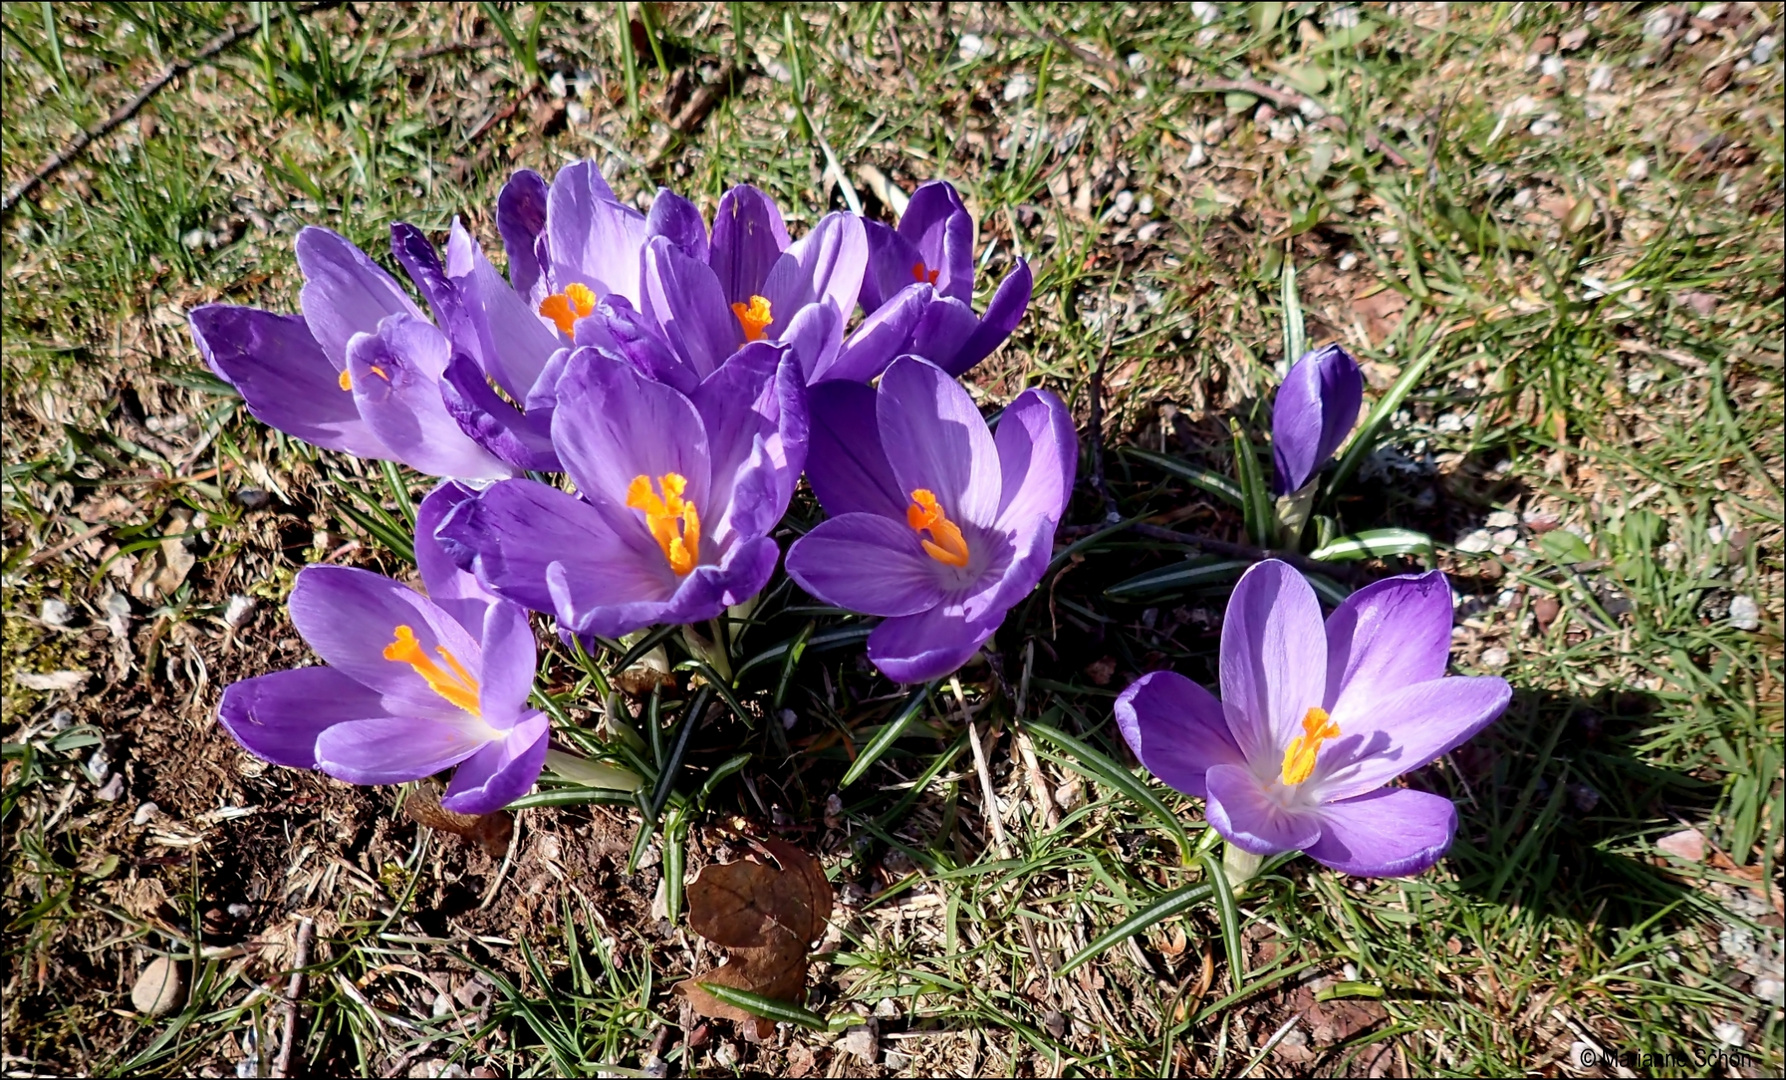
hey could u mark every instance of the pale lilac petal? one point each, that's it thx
(1176, 728)
(748, 238)
(815, 333)
(845, 465)
(395, 750)
(502, 771)
(709, 590)
(827, 264)
(345, 293)
(283, 377)
(615, 327)
(1314, 412)
(742, 407)
(943, 331)
(396, 384)
(509, 657)
(684, 299)
(892, 265)
(1392, 833)
(1038, 454)
(1390, 634)
(349, 616)
(679, 221)
(521, 219)
(1002, 315)
(1382, 737)
(613, 424)
(513, 342)
(936, 439)
(868, 564)
(277, 717)
(453, 590)
(939, 227)
(594, 604)
(594, 239)
(1274, 659)
(1238, 808)
(413, 251)
(930, 644)
(523, 440)
(886, 333)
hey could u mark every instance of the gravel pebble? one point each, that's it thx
(1745, 614)
(160, 989)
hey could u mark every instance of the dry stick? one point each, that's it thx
(293, 991)
(1289, 99)
(129, 109)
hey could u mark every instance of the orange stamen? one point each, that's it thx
(919, 273)
(944, 543)
(673, 520)
(1299, 758)
(753, 317)
(457, 686)
(565, 308)
(344, 380)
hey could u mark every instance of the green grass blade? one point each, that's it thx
(1366, 440)
(1205, 479)
(1261, 521)
(1102, 768)
(1295, 332)
(1229, 913)
(767, 1008)
(1159, 911)
(889, 734)
(1190, 574)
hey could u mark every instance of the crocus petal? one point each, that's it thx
(453, 590)
(349, 616)
(617, 328)
(815, 333)
(683, 297)
(1384, 736)
(845, 464)
(1246, 817)
(1273, 659)
(613, 424)
(523, 440)
(679, 221)
(413, 251)
(513, 342)
(1002, 315)
(943, 331)
(1038, 455)
(277, 717)
(709, 590)
(521, 219)
(1392, 833)
(500, 772)
(748, 238)
(866, 563)
(827, 264)
(283, 377)
(394, 749)
(1390, 634)
(937, 224)
(892, 265)
(396, 384)
(930, 644)
(886, 333)
(594, 239)
(507, 678)
(935, 439)
(345, 293)
(754, 413)
(1314, 411)
(1176, 728)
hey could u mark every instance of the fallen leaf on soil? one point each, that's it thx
(764, 917)
(490, 830)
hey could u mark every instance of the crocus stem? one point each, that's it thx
(1292, 513)
(1240, 866)
(591, 773)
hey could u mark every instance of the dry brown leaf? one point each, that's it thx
(765, 918)
(490, 830)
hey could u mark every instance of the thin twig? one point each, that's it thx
(1290, 99)
(293, 991)
(129, 109)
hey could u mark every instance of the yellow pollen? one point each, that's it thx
(919, 273)
(1299, 758)
(753, 317)
(457, 686)
(673, 521)
(344, 380)
(944, 542)
(565, 308)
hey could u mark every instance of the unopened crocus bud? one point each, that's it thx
(1314, 412)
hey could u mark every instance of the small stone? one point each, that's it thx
(1476, 542)
(1574, 39)
(1764, 49)
(1552, 66)
(113, 789)
(1745, 614)
(1730, 1033)
(788, 719)
(236, 612)
(1771, 990)
(1501, 519)
(1206, 13)
(1546, 608)
(436, 1067)
(160, 989)
(1496, 658)
(725, 1054)
(1584, 798)
(1197, 156)
(1070, 795)
(1600, 79)
(99, 766)
(1056, 1022)
(861, 1041)
(55, 612)
(1736, 943)
(1347, 261)
(252, 498)
(884, 1009)
(1018, 87)
(1688, 844)
(1660, 24)
(973, 47)
(1149, 231)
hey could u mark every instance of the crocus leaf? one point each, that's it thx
(1366, 440)
(765, 1008)
(574, 796)
(1190, 574)
(1100, 767)
(1375, 543)
(1261, 522)
(1295, 331)
(888, 735)
(1206, 479)
(1160, 910)
(819, 642)
(1229, 913)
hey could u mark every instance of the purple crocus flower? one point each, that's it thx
(358, 372)
(676, 496)
(937, 525)
(1314, 412)
(934, 244)
(1314, 721)
(706, 298)
(410, 684)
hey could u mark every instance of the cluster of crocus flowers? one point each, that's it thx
(1316, 719)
